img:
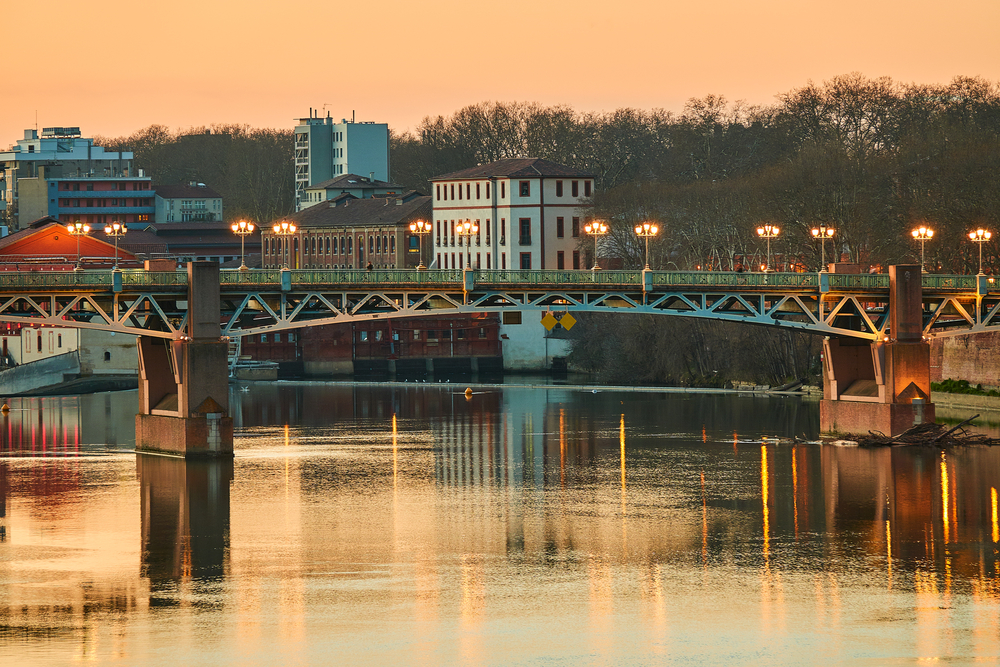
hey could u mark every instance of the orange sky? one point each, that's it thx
(111, 66)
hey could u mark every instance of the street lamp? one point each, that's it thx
(243, 229)
(284, 229)
(923, 234)
(822, 233)
(467, 229)
(768, 232)
(78, 229)
(596, 229)
(420, 228)
(115, 229)
(980, 236)
(646, 230)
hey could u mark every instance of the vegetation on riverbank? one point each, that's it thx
(649, 349)
(951, 386)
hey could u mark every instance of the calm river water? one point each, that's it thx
(376, 524)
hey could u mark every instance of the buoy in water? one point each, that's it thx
(4, 408)
(468, 391)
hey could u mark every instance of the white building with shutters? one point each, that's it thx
(530, 213)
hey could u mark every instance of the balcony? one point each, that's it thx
(524, 239)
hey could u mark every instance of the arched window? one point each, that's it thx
(385, 243)
(392, 244)
(371, 245)
(378, 244)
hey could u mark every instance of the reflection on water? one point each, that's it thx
(406, 524)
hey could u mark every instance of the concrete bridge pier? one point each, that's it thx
(184, 384)
(883, 386)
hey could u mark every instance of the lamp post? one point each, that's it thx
(768, 232)
(115, 229)
(243, 229)
(596, 228)
(79, 229)
(980, 236)
(467, 229)
(822, 233)
(922, 234)
(284, 229)
(420, 228)
(646, 230)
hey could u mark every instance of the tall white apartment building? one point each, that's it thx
(325, 149)
(530, 213)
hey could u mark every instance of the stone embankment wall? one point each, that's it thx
(975, 358)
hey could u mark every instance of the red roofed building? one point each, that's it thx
(47, 245)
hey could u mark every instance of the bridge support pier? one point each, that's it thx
(184, 384)
(883, 386)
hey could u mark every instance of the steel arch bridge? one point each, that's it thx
(155, 304)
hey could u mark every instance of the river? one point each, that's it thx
(409, 524)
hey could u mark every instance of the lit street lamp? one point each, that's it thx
(980, 236)
(243, 229)
(646, 230)
(78, 229)
(822, 233)
(284, 229)
(116, 230)
(596, 229)
(768, 232)
(420, 228)
(922, 234)
(467, 229)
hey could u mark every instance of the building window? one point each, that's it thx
(416, 334)
(503, 231)
(438, 192)
(503, 189)
(107, 355)
(525, 238)
(576, 188)
(525, 260)
(576, 228)
(487, 190)
(559, 228)
(558, 188)
(503, 261)
(392, 244)
(468, 191)
(371, 245)
(560, 260)
(459, 191)
(525, 188)
(363, 336)
(512, 317)
(576, 259)
(453, 191)
(586, 188)
(477, 191)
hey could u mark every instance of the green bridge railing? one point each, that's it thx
(505, 279)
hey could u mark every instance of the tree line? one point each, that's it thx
(250, 167)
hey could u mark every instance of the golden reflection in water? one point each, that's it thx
(927, 611)
(395, 457)
(993, 514)
(621, 440)
(888, 551)
(602, 606)
(704, 524)
(795, 492)
(735, 450)
(652, 592)
(764, 482)
(944, 498)
(473, 603)
(425, 608)
(562, 447)
(287, 444)
(704, 435)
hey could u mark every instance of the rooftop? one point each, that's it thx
(381, 212)
(197, 191)
(531, 167)
(351, 181)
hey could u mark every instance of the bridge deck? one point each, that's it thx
(155, 303)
